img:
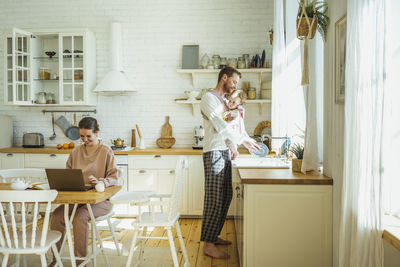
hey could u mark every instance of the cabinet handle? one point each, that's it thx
(142, 171)
(53, 155)
(10, 155)
(157, 156)
(172, 172)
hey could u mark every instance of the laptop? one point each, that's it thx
(67, 180)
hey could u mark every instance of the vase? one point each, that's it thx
(296, 165)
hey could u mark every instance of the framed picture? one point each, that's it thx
(340, 59)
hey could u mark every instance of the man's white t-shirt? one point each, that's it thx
(216, 129)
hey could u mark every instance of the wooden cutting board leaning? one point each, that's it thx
(166, 140)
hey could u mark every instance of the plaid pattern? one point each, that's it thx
(217, 193)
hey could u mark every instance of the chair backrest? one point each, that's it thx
(29, 175)
(181, 166)
(12, 234)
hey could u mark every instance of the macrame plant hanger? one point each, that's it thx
(310, 26)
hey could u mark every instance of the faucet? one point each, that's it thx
(283, 149)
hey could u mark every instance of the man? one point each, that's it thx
(217, 161)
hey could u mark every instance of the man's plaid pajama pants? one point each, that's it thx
(217, 193)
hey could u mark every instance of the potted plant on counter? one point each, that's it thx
(298, 150)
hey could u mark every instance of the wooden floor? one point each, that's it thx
(191, 229)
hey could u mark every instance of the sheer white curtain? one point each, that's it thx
(360, 241)
(288, 108)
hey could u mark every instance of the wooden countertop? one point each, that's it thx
(283, 176)
(77, 197)
(136, 151)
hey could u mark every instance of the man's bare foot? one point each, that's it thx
(211, 250)
(221, 241)
(53, 263)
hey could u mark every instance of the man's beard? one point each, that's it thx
(228, 90)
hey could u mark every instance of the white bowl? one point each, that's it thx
(192, 94)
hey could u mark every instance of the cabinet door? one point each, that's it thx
(18, 67)
(11, 161)
(143, 180)
(166, 181)
(45, 160)
(72, 68)
(196, 185)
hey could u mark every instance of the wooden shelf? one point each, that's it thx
(196, 72)
(196, 104)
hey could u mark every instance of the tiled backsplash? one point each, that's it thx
(153, 35)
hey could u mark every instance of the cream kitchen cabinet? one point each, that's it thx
(156, 173)
(57, 161)
(196, 186)
(11, 160)
(287, 225)
(35, 78)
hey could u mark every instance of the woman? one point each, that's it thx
(98, 166)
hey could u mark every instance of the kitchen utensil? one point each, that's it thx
(52, 124)
(73, 131)
(165, 142)
(33, 140)
(166, 129)
(262, 152)
(133, 141)
(118, 142)
(138, 131)
(141, 142)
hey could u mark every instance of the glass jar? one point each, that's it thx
(41, 98)
(246, 58)
(241, 64)
(223, 63)
(232, 62)
(251, 93)
(216, 60)
(50, 98)
(204, 61)
(44, 73)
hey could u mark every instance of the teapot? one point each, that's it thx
(118, 142)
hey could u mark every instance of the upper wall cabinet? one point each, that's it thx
(49, 67)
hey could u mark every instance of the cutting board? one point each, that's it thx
(166, 129)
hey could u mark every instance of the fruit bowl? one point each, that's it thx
(192, 94)
(50, 53)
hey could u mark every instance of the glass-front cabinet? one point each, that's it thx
(50, 67)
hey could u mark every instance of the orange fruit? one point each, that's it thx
(65, 146)
(59, 146)
(71, 145)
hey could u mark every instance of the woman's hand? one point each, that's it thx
(93, 180)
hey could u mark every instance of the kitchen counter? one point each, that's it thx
(282, 176)
(147, 151)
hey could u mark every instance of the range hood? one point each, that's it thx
(115, 81)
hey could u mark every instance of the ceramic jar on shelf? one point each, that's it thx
(232, 62)
(216, 60)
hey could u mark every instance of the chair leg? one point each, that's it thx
(56, 255)
(5, 260)
(130, 256)
(17, 259)
(111, 226)
(142, 244)
(182, 244)
(43, 260)
(172, 246)
(94, 244)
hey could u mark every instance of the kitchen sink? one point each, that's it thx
(263, 163)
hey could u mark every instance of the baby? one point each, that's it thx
(235, 117)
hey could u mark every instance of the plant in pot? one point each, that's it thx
(312, 14)
(298, 150)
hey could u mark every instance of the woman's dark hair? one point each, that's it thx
(89, 123)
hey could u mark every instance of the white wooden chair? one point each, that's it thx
(19, 240)
(166, 217)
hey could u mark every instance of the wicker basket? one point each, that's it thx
(303, 29)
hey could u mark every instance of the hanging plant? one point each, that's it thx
(312, 15)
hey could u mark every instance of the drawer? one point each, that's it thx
(45, 160)
(154, 162)
(142, 180)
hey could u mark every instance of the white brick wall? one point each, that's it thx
(153, 35)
